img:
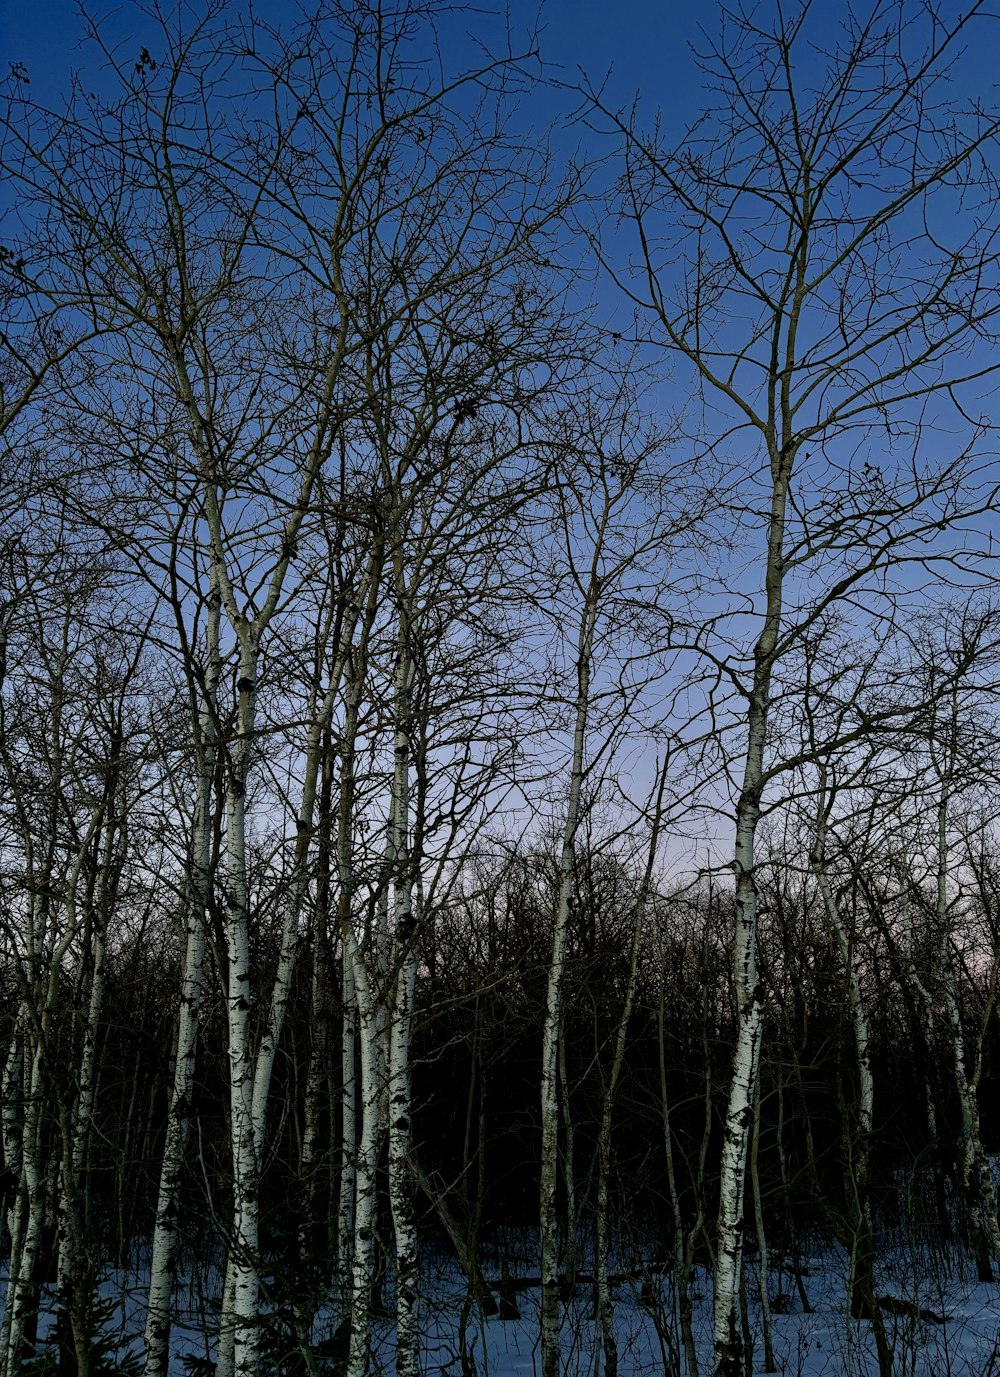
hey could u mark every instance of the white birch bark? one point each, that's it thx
(763, 1268)
(362, 1094)
(348, 1134)
(372, 1088)
(849, 954)
(369, 976)
(399, 1082)
(859, 1018)
(26, 1233)
(242, 1318)
(290, 938)
(27, 1225)
(568, 1158)
(316, 1077)
(975, 1176)
(862, 1281)
(226, 1356)
(249, 1075)
(728, 1342)
(684, 1241)
(21, 1111)
(549, 1167)
(314, 1260)
(11, 1112)
(366, 1116)
(727, 1333)
(407, 1258)
(38, 978)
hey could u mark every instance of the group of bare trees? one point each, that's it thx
(793, 209)
(369, 643)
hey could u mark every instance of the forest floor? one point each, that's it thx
(940, 1322)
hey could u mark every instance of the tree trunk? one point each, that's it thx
(548, 1216)
(763, 1271)
(241, 1308)
(400, 1107)
(728, 1340)
(366, 1163)
(348, 1134)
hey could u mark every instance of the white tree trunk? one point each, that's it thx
(399, 1085)
(156, 1337)
(25, 1235)
(727, 1335)
(226, 1356)
(316, 1078)
(549, 1167)
(362, 1095)
(39, 1003)
(243, 1317)
(859, 1018)
(401, 1173)
(862, 1254)
(728, 1339)
(11, 1090)
(605, 1309)
(348, 1135)
(250, 1074)
(366, 1162)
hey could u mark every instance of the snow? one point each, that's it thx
(825, 1343)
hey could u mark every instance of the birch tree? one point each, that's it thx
(811, 251)
(448, 516)
(251, 283)
(68, 747)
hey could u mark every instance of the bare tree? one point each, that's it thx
(821, 250)
(314, 309)
(72, 753)
(947, 820)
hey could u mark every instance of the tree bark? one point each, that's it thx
(548, 1216)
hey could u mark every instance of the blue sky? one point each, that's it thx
(644, 42)
(639, 46)
(642, 47)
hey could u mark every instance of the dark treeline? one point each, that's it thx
(475, 1073)
(478, 1019)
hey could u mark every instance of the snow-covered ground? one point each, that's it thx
(823, 1343)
